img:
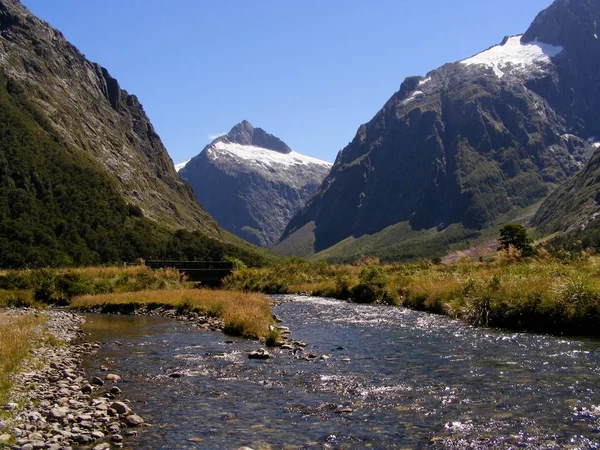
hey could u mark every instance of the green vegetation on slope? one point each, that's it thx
(59, 208)
(401, 243)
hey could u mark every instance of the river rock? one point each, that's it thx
(97, 381)
(112, 377)
(115, 390)
(97, 434)
(103, 446)
(58, 413)
(4, 438)
(261, 353)
(133, 420)
(120, 407)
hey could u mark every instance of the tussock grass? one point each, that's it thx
(244, 314)
(536, 294)
(60, 285)
(18, 299)
(18, 335)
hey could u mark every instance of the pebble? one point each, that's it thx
(112, 377)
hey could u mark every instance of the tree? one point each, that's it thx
(516, 235)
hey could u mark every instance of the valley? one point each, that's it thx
(436, 286)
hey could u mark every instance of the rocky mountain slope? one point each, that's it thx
(90, 111)
(84, 178)
(252, 183)
(466, 145)
(574, 204)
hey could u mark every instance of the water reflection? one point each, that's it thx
(389, 378)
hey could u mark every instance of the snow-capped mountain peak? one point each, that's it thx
(181, 165)
(253, 183)
(514, 56)
(261, 156)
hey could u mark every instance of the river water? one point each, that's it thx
(391, 379)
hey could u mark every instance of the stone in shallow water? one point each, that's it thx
(133, 420)
(120, 407)
(112, 377)
(259, 354)
(103, 446)
(115, 390)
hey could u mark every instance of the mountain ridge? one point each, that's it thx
(259, 188)
(87, 106)
(466, 144)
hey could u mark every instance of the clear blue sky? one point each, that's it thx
(308, 71)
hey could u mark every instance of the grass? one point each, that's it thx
(59, 286)
(244, 314)
(18, 335)
(538, 294)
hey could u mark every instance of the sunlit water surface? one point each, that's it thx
(394, 379)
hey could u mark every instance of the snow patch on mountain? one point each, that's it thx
(412, 97)
(180, 166)
(263, 157)
(514, 55)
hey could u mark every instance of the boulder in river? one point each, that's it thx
(261, 353)
(120, 407)
(133, 420)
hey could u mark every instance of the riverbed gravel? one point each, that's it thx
(53, 403)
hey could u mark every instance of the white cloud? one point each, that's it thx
(215, 136)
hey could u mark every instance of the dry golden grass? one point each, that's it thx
(18, 334)
(245, 314)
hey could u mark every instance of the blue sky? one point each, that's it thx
(309, 71)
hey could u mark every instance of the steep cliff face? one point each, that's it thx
(92, 113)
(252, 183)
(472, 140)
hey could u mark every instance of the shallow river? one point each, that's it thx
(394, 379)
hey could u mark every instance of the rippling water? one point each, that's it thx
(391, 378)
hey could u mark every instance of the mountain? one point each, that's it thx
(252, 183)
(91, 112)
(574, 204)
(464, 148)
(84, 177)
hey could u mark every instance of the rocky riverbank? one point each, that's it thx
(209, 323)
(55, 405)
(196, 320)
